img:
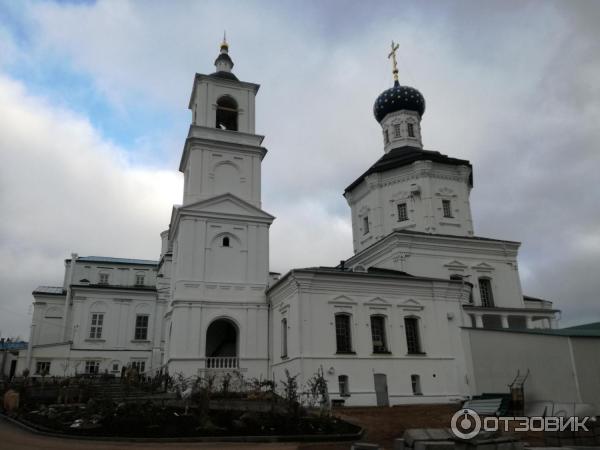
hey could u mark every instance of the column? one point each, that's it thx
(529, 322)
(478, 321)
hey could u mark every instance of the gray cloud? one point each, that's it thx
(512, 86)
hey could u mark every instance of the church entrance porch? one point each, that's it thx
(222, 345)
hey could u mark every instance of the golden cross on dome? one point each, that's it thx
(394, 64)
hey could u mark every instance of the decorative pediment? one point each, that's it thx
(456, 266)
(411, 305)
(377, 301)
(342, 300)
(226, 204)
(446, 192)
(482, 267)
(400, 195)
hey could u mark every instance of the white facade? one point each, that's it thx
(387, 326)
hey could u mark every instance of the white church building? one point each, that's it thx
(393, 323)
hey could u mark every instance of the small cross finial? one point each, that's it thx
(224, 44)
(392, 55)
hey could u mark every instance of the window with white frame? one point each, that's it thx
(103, 279)
(284, 340)
(42, 367)
(141, 327)
(96, 325)
(344, 386)
(139, 366)
(378, 334)
(447, 208)
(402, 212)
(413, 344)
(411, 130)
(397, 131)
(139, 279)
(485, 292)
(343, 334)
(415, 381)
(92, 367)
(366, 224)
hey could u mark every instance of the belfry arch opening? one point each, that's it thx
(222, 344)
(227, 113)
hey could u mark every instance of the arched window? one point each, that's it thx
(284, 338)
(343, 334)
(378, 334)
(386, 136)
(227, 113)
(397, 132)
(226, 241)
(411, 130)
(413, 341)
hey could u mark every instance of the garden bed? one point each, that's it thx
(149, 421)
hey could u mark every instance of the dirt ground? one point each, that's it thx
(382, 426)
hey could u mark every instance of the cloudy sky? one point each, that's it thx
(93, 116)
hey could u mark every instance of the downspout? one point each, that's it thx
(68, 301)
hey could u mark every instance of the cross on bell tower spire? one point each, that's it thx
(392, 56)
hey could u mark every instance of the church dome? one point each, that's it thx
(397, 98)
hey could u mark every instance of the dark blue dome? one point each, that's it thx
(396, 98)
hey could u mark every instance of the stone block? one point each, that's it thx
(434, 445)
(412, 435)
(11, 401)
(365, 446)
(399, 444)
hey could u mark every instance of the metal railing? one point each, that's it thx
(222, 362)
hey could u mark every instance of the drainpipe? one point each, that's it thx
(68, 297)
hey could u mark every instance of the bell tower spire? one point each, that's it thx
(224, 63)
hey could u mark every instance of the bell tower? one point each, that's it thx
(220, 235)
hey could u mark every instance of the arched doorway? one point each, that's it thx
(222, 345)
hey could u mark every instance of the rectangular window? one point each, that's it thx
(378, 334)
(344, 386)
(415, 381)
(42, 368)
(96, 326)
(139, 280)
(386, 136)
(485, 291)
(447, 207)
(342, 333)
(397, 131)
(139, 366)
(141, 327)
(365, 224)
(92, 367)
(411, 130)
(411, 324)
(103, 278)
(402, 212)
(115, 367)
(284, 338)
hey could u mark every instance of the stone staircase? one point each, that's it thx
(118, 391)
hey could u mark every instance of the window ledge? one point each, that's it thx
(95, 340)
(417, 354)
(386, 352)
(345, 353)
(345, 395)
(140, 341)
(284, 357)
